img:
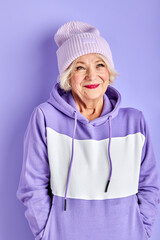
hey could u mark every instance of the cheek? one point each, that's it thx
(106, 76)
(76, 81)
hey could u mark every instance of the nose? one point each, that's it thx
(91, 74)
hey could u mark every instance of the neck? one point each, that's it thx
(91, 109)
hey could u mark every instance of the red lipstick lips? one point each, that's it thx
(92, 86)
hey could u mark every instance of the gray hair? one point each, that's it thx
(64, 78)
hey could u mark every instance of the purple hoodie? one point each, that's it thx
(86, 179)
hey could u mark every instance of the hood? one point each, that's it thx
(64, 102)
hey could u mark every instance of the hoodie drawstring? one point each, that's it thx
(70, 166)
(109, 155)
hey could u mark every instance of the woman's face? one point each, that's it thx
(90, 78)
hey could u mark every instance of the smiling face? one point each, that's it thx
(90, 78)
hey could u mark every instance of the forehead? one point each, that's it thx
(88, 58)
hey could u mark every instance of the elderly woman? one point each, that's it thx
(89, 170)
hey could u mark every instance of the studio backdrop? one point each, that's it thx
(28, 70)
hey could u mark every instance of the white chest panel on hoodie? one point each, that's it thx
(90, 168)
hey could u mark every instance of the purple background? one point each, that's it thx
(28, 69)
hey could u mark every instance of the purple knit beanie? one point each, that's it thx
(75, 39)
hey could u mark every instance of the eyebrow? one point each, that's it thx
(84, 62)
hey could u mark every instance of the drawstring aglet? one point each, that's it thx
(65, 204)
(107, 186)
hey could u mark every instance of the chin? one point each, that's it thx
(93, 96)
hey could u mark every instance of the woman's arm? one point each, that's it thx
(149, 186)
(35, 175)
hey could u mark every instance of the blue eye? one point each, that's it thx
(100, 65)
(79, 68)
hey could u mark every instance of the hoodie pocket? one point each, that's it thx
(140, 217)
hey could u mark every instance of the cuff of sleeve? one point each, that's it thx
(148, 232)
(39, 236)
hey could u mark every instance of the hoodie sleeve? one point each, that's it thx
(149, 185)
(34, 180)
